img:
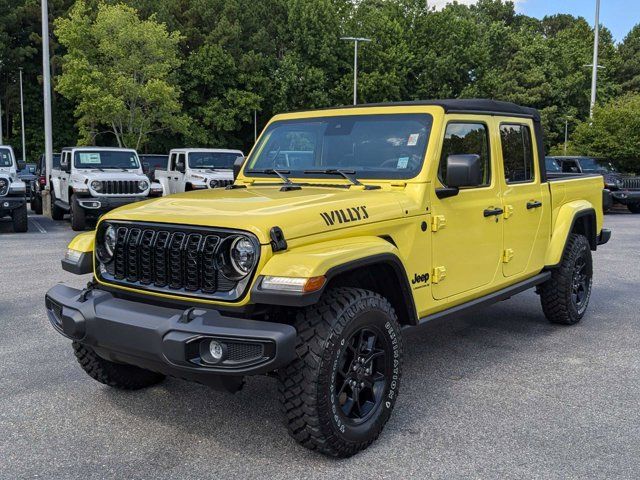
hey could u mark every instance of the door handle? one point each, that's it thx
(493, 211)
(534, 204)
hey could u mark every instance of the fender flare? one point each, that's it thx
(568, 216)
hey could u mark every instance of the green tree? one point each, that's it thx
(614, 133)
(119, 70)
(628, 71)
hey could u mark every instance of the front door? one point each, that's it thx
(467, 228)
(523, 200)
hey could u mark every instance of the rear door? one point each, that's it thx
(467, 228)
(525, 200)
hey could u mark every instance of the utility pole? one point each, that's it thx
(46, 80)
(1, 140)
(356, 41)
(255, 125)
(566, 134)
(24, 144)
(594, 74)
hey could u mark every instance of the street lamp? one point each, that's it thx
(46, 81)
(356, 41)
(594, 74)
(24, 144)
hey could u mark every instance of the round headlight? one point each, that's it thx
(143, 185)
(237, 257)
(96, 185)
(213, 183)
(108, 247)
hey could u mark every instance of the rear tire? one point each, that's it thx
(116, 375)
(78, 216)
(565, 296)
(634, 207)
(339, 393)
(20, 220)
(36, 205)
(57, 213)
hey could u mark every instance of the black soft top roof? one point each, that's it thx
(464, 105)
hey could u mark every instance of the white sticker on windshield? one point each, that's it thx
(413, 140)
(92, 158)
(403, 162)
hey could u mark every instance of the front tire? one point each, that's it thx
(20, 220)
(57, 213)
(634, 207)
(116, 375)
(36, 204)
(340, 392)
(78, 216)
(565, 296)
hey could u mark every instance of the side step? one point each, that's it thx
(64, 206)
(489, 299)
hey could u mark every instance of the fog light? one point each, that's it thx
(216, 350)
(5, 204)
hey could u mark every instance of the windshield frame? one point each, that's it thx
(603, 165)
(79, 166)
(425, 118)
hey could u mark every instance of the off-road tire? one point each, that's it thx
(116, 375)
(78, 216)
(308, 387)
(20, 220)
(57, 213)
(634, 207)
(556, 294)
(36, 205)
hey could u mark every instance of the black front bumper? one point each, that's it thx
(11, 203)
(171, 341)
(625, 197)
(101, 205)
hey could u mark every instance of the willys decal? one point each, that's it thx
(345, 215)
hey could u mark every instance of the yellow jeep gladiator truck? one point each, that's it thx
(343, 227)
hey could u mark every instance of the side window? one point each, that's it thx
(181, 159)
(462, 138)
(172, 163)
(517, 153)
(570, 166)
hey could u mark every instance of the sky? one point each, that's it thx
(619, 16)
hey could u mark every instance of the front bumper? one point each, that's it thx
(105, 204)
(171, 341)
(625, 197)
(11, 203)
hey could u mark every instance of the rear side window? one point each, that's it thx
(517, 153)
(462, 139)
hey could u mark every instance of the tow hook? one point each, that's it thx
(85, 293)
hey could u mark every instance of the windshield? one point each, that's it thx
(593, 165)
(6, 160)
(551, 165)
(106, 159)
(212, 159)
(372, 146)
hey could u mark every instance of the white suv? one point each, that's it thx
(13, 201)
(93, 180)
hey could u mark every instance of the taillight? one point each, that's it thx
(42, 181)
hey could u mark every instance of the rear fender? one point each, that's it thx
(571, 216)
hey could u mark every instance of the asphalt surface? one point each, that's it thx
(499, 394)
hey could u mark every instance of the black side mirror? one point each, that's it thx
(237, 166)
(462, 171)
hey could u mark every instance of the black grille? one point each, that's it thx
(170, 259)
(120, 187)
(631, 183)
(243, 352)
(220, 183)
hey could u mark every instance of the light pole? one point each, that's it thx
(356, 41)
(594, 74)
(46, 81)
(24, 144)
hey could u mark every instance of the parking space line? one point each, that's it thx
(38, 226)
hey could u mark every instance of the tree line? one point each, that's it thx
(154, 74)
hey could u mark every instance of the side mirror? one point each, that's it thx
(64, 164)
(21, 165)
(237, 166)
(180, 166)
(462, 171)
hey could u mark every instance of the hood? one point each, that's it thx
(210, 174)
(256, 209)
(109, 175)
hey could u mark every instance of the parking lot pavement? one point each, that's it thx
(498, 394)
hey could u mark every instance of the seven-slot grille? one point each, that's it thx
(165, 259)
(222, 183)
(632, 183)
(120, 187)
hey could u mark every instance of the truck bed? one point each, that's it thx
(565, 190)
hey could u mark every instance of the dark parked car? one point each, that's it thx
(39, 182)
(624, 190)
(151, 161)
(28, 175)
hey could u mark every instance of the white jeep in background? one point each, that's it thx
(93, 180)
(196, 169)
(13, 200)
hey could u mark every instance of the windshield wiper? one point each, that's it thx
(288, 184)
(346, 174)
